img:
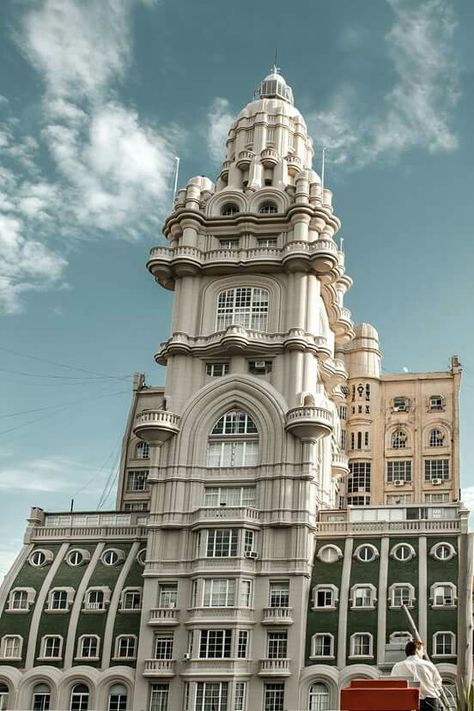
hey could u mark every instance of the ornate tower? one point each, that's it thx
(245, 448)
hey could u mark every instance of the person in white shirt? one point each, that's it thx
(423, 671)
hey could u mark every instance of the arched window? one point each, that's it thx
(79, 698)
(41, 700)
(436, 438)
(318, 697)
(243, 306)
(117, 698)
(229, 209)
(399, 439)
(3, 697)
(233, 441)
(268, 207)
(142, 451)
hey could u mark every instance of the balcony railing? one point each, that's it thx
(274, 667)
(379, 527)
(277, 616)
(159, 667)
(163, 616)
(219, 513)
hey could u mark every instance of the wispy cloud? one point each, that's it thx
(417, 110)
(9, 549)
(219, 120)
(109, 172)
(45, 474)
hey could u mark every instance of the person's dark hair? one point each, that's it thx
(412, 646)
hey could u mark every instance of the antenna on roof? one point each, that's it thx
(176, 173)
(341, 244)
(323, 167)
(275, 68)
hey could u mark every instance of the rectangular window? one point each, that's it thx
(167, 595)
(358, 500)
(399, 470)
(280, 593)
(277, 645)
(215, 644)
(249, 541)
(400, 404)
(359, 477)
(322, 645)
(436, 469)
(361, 646)
(217, 370)
(232, 454)
(362, 597)
(19, 600)
(159, 697)
(126, 647)
(441, 498)
(443, 595)
(325, 597)
(219, 592)
(132, 600)
(59, 600)
(229, 243)
(343, 439)
(221, 542)
(41, 701)
(267, 241)
(274, 697)
(211, 696)
(230, 496)
(245, 597)
(396, 499)
(245, 306)
(240, 696)
(444, 644)
(137, 480)
(52, 647)
(89, 647)
(401, 596)
(164, 646)
(95, 600)
(242, 644)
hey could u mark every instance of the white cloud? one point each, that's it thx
(417, 111)
(112, 172)
(219, 122)
(9, 550)
(53, 474)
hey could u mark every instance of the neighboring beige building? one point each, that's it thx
(232, 576)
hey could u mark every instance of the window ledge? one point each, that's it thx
(444, 607)
(410, 606)
(322, 656)
(328, 608)
(124, 659)
(94, 612)
(56, 612)
(359, 608)
(49, 659)
(129, 609)
(17, 612)
(443, 656)
(360, 656)
(12, 659)
(87, 659)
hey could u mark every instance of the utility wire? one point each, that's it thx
(61, 365)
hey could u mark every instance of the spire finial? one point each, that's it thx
(275, 69)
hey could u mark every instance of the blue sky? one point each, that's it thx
(97, 97)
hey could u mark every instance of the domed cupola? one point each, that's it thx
(274, 86)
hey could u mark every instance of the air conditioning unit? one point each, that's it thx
(251, 554)
(436, 482)
(259, 364)
(186, 657)
(399, 482)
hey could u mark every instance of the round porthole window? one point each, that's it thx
(110, 557)
(403, 552)
(366, 553)
(38, 558)
(329, 554)
(75, 558)
(443, 551)
(141, 556)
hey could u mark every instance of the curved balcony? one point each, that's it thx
(269, 157)
(324, 256)
(163, 616)
(244, 159)
(159, 667)
(274, 667)
(238, 338)
(309, 423)
(229, 514)
(277, 616)
(156, 426)
(339, 465)
(320, 256)
(344, 326)
(293, 163)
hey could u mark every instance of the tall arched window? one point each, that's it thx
(318, 697)
(233, 441)
(244, 306)
(436, 438)
(399, 439)
(79, 698)
(41, 700)
(117, 698)
(3, 697)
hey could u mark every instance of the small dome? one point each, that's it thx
(274, 86)
(366, 330)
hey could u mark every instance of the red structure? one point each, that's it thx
(379, 695)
